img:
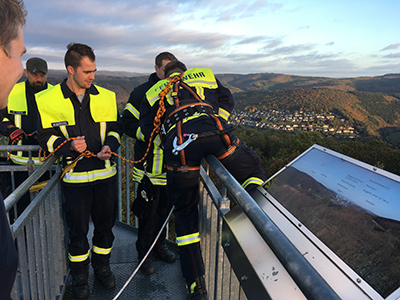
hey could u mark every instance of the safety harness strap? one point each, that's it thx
(186, 111)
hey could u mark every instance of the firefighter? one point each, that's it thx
(20, 121)
(12, 47)
(78, 109)
(194, 126)
(151, 218)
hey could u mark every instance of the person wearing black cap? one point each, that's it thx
(20, 121)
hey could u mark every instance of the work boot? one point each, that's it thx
(80, 287)
(164, 253)
(147, 267)
(105, 276)
(197, 289)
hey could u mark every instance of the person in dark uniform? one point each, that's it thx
(20, 121)
(152, 218)
(194, 126)
(13, 17)
(78, 109)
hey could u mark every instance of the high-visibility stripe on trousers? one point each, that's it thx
(188, 239)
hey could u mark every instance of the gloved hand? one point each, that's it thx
(17, 135)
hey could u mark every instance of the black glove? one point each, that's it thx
(145, 195)
(16, 135)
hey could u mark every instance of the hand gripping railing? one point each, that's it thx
(313, 286)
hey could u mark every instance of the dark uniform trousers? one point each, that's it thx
(183, 187)
(150, 225)
(98, 200)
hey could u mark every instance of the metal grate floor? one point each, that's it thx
(166, 283)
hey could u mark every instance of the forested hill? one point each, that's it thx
(371, 103)
(389, 83)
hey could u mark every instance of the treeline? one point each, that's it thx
(369, 112)
(386, 106)
(277, 148)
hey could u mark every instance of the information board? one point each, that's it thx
(353, 208)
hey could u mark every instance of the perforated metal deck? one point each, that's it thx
(166, 283)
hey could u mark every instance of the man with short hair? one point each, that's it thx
(77, 116)
(12, 19)
(20, 121)
(153, 217)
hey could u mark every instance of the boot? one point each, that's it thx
(197, 289)
(105, 277)
(80, 287)
(147, 267)
(164, 253)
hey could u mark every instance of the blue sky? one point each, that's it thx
(310, 37)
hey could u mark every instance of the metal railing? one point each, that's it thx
(40, 236)
(38, 233)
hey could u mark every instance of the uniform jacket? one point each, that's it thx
(130, 119)
(203, 82)
(22, 113)
(63, 116)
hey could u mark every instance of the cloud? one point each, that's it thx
(393, 55)
(127, 35)
(391, 47)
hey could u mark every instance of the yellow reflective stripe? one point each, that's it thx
(50, 143)
(196, 115)
(159, 178)
(64, 131)
(140, 135)
(23, 160)
(200, 92)
(223, 113)
(78, 258)
(188, 239)
(192, 287)
(18, 121)
(129, 107)
(157, 156)
(252, 180)
(102, 251)
(103, 127)
(91, 176)
(115, 134)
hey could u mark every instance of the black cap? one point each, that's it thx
(36, 64)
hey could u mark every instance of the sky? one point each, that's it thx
(341, 38)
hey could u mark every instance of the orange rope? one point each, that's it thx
(157, 127)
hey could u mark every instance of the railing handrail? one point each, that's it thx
(313, 286)
(24, 187)
(19, 148)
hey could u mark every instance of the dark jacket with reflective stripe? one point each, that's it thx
(130, 119)
(29, 119)
(219, 98)
(84, 126)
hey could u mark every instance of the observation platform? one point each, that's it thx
(166, 283)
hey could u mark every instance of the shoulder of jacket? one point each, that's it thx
(102, 90)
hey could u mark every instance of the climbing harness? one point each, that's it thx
(145, 257)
